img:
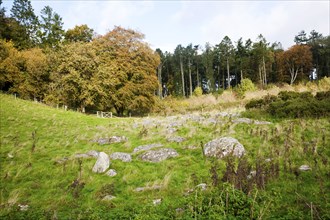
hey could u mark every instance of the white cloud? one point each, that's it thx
(277, 21)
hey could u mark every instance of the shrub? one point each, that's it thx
(245, 86)
(198, 91)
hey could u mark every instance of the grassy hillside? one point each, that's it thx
(35, 139)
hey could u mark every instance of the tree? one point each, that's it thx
(227, 51)
(23, 13)
(179, 55)
(297, 58)
(263, 58)
(301, 38)
(79, 33)
(128, 67)
(51, 28)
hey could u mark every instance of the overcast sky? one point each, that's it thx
(169, 23)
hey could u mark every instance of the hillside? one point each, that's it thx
(47, 166)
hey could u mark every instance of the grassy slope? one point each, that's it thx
(33, 178)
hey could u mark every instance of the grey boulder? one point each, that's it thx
(224, 146)
(102, 163)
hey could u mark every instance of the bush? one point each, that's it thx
(245, 86)
(198, 91)
(290, 104)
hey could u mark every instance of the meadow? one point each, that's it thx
(42, 178)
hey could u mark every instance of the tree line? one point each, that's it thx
(119, 71)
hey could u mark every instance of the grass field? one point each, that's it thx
(35, 138)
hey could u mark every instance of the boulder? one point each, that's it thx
(223, 146)
(111, 172)
(158, 155)
(146, 147)
(125, 157)
(102, 163)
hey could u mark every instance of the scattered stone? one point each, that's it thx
(158, 155)
(223, 146)
(23, 207)
(10, 155)
(176, 139)
(179, 210)
(242, 120)
(191, 147)
(108, 198)
(62, 160)
(157, 201)
(111, 140)
(267, 160)
(250, 121)
(93, 153)
(140, 189)
(146, 147)
(102, 163)
(81, 156)
(304, 168)
(252, 174)
(202, 186)
(111, 172)
(117, 139)
(125, 157)
(171, 130)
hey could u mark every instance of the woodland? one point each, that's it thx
(119, 71)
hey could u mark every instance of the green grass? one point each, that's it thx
(33, 177)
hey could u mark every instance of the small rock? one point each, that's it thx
(108, 198)
(62, 160)
(146, 147)
(176, 139)
(81, 156)
(304, 168)
(158, 155)
(140, 189)
(102, 163)
(23, 207)
(156, 201)
(191, 147)
(267, 160)
(125, 157)
(93, 153)
(117, 139)
(242, 120)
(102, 141)
(252, 174)
(111, 172)
(10, 155)
(202, 186)
(223, 146)
(179, 210)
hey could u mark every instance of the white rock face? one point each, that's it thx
(102, 163)
(224, 146)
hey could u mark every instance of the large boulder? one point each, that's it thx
(158, 155)
(125, 157)
(221, 147)
(102, 163)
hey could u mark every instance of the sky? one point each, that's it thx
(167, 24)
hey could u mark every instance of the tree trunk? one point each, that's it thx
(228, 74)
(160, 80)
(182, 77)
(198, 84)
(190, 80)
(265, 73)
